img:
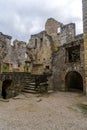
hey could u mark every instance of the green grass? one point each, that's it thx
(83, 107)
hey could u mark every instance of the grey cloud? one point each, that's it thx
(21, 18)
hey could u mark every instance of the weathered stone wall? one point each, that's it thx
(18, 55)
(40, 51)
(85, 37)
(16, 86)
(12, 58)
(53, 52)
(42, 45)
(5, 50)
(7, 59)
(51, 26)
(67, 33)
(59, 32)
(49, 51)
(53, 29)
(61, 66)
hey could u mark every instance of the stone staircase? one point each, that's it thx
(29, 83)
(34, 83)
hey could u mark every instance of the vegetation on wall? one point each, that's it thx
(55, 48)
(5, 68)
(26, 68)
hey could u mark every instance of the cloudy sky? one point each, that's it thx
(21, 18)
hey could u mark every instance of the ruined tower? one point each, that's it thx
(84, 2)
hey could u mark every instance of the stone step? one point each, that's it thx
(29, 76)
(26, 86)
(43, 84)
(29, 91)
(32, 83)
(29, 79)
(29, 84)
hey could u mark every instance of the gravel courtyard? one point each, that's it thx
(55, 111)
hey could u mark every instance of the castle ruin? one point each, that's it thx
(56, 56)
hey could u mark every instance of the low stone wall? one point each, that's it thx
(17, 83)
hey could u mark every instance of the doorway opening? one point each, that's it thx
(74, 81)
(5, 86)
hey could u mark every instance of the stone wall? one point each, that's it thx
(60, 49)
(62, 66)
(53, 29)
(39, 50)
(67, 33)
(59, 32)
(85, 37)
(16, 85)
(57, 51)
(42, 46)
(18, 55)
(51, 26)
(12, 58)
(5, 49)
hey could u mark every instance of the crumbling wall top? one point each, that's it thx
(6, 36)
(38, 34)
(52, 25)
(18, 43)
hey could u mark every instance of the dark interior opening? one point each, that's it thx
(35, 43)
(5, 85)
(47, 67)
(41, 41)
(74, 54)
(74, 81)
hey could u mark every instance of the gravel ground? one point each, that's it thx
(55, 111)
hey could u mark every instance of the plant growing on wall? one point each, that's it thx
(5, 68)
(55, 48)
(26, 68)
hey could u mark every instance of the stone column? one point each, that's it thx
(84, 2)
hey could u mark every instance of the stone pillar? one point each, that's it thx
(84, 2)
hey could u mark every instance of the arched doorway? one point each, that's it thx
(74, 81)
(5, 85)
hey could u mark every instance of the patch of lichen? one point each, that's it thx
(55, 48)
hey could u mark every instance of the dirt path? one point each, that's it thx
(56, 111)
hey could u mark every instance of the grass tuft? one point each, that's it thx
(83, 107)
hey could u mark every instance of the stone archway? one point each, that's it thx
(5, 86)
(74, 81)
